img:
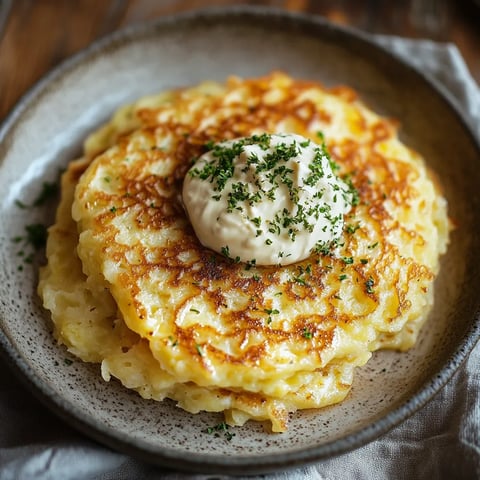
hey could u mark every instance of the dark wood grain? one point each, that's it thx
(36, 35)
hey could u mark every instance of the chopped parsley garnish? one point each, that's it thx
(326, 248)
(256, 221)
(270, 312)
(218, 429)
(250, 263)
(49, 190)
(352, 228)
(316, 167)
(209, 145)
(302, 272)
(323, 248)
(369, 285)
(307, 334)
(221, 169)
(36, 236)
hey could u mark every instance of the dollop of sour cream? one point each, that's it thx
(269, 199)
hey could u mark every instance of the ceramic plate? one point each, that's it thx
(46, 130)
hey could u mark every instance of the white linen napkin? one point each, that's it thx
(441, 441)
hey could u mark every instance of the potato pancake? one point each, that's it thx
(171, 318)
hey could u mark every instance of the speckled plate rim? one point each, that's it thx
(171, 458)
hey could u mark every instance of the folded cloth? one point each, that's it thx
(442, 440)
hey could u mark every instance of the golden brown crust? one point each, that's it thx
(243, 329)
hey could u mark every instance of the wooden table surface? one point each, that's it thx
(36, 35)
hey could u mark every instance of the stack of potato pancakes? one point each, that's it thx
(130, 286)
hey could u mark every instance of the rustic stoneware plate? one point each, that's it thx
(46, 130)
